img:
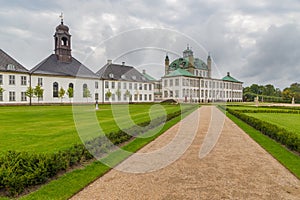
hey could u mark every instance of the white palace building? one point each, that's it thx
(63, 79)
(188, 79)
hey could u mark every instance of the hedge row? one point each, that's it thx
(270, 111)
(19, 170)
(289, 139)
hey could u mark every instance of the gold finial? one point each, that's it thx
(61, 16)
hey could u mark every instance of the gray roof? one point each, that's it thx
(52, 66)
(120, 72)
(7, 63)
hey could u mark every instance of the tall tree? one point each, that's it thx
(30, 94)
(86, 93)
(38, 92)
(70, 93)
(61, 94)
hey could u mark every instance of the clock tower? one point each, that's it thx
(62, 42)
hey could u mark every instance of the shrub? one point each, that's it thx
(289, 139)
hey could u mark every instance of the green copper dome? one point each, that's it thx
(184, 63)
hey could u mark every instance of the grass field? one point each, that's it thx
(52, 128)
(287, 121)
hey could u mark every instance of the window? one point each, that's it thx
(141, 97)
(84, 90)
(111, 75)
(145, 86)
(11, 67)
(1, 96)
(140, 86)
(124, 97)
(119, 85)
(113, 85)
(176, 82)
(135, 86)
(55, 89)
(96, 85)
(11, 79)
(23, 80)
(135, 97)
(71, 85)
(1, 79)
(113, 97)
(150, 97)
(12, 96)
(150, 86)
(40, 81)
(165, 83)
(106, 84)
(145, 97)
(176, 93)
(130, 86)
(23, 96)
(171, 82)
(96, 96)
(124, 85)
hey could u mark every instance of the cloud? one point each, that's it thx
(257, 41)
(276, 58)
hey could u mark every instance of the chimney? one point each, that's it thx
(109, 61)
(144, 71)
(123, 63)
(228, 73)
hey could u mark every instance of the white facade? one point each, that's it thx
(14, 85)
(126, 91)
(52, 84)
(198, 89)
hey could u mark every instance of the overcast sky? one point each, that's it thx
(257, 41)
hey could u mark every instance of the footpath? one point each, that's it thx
(236, 168)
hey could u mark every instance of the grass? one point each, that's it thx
(52, 128)
(72, 182)
(284, 120)
(288, 159)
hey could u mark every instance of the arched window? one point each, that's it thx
(64, 41)
(71, 85)
(55, 89)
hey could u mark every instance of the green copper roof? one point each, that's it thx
(150, 78)
(180, 72)
(231, 79)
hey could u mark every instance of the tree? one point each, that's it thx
(61, 93)
(108, 94)
(38, 92)
(1, 91)
(70, 93)
(128, 94)
(30, 93)
(118, 93)
(86, 93)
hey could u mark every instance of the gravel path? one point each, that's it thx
(237, 168)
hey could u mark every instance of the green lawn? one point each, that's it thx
(287, 121)
(52, 128)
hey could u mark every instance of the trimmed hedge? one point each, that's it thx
(19, 170)
(281, 135)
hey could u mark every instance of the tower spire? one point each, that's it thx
(61, 16)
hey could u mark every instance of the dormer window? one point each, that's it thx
(11, 67)
(134, 77)
(123, 76)
(111, 75)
